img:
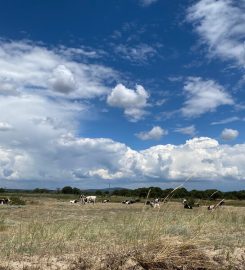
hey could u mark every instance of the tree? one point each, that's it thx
(2, 190)
(76, 191)
(98, 193)
(180, 193)
(40, 190)
(67, 190)
(156, 192)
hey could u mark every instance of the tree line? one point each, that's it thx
(157, 192)
(151, 192)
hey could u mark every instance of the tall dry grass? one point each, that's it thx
(52, 232)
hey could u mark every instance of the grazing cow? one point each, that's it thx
(105, 201)
(186, 204)
(4, 201)
(155, 204)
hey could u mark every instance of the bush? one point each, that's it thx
(17, 201)
(67, 190)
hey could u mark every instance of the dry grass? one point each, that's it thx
(53, 234)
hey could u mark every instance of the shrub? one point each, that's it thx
(17, 201)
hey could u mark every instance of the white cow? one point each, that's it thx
(87, 199)
(91, 199)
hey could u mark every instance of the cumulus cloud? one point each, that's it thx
(229, 134)
(27, 66)
(203, 96)
(63, 80)
(156, 133)
(190, 130)
(80, 159)
(32, 125)
(221, 26)
(132, 101)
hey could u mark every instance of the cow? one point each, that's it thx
(214, 206)
(155, 204)
(128, 201)
(91, 199)
(105, 201)
(87, 199)
(186, 204)
(211, 207)
(4, 201)
(74, 201)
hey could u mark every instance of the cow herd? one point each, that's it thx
(155, 203)
(85, 199)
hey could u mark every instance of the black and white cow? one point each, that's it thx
(214, 206)
(4, 201)
(129, 202)
(186, 204)
(74, 201)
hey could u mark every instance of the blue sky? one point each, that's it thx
(135, 92)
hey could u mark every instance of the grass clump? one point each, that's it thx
(17, 201)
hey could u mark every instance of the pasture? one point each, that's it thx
(51, 233)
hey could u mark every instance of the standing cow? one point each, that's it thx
(87, 199)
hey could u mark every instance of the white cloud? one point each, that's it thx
(190, 130)
(63, 80)
(4, 126)
(229, 134)
(203, 96)
(221, 25)
(136, 54)
(105, 174)
(226, 120)
(156, 133)
(85, 159)
(132, 101)
(26, 66)
(146, 3)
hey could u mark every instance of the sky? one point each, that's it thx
(125, 93)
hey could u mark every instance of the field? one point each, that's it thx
(51, 233)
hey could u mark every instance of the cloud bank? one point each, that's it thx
(78, 159)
